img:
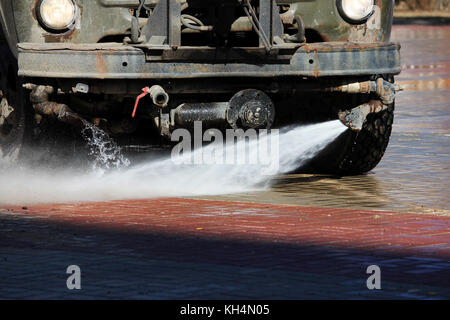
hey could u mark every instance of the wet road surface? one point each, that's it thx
(414, 175)
(197, 249)
(288, 246)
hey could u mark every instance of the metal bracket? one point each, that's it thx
(271, 24)
(268, 26)
(163, 28)
(164, 125)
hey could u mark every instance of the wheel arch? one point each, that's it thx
(8, 32)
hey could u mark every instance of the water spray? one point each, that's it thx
(161, 178)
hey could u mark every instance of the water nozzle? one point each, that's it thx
(355, 118)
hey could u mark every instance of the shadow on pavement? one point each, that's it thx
(34, 256)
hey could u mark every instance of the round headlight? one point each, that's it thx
(356, 11)
(56, 15)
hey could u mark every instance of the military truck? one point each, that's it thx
(142, 68)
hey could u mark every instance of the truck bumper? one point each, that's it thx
(113, 61)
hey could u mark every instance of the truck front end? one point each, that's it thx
(237, 64)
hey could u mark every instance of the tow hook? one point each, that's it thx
(355, 118)
(158, 95)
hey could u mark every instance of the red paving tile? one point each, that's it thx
(196, 249)
(404, 233)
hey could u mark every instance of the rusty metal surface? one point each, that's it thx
(106, 18)
(102, 21)
(314, 60)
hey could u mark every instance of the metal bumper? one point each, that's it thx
(113, 61)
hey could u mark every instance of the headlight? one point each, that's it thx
(356, 11)
(56, 15)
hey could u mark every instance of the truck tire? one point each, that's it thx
(357, 153)
(13, 120)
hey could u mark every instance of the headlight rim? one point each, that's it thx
(350, 20)
(54, 30)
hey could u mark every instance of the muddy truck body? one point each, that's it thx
(141, 69)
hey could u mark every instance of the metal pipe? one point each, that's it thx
(209, 113)
(384, 89)
(159, 96)
(39, 97)
(247, 109)
(355, 118)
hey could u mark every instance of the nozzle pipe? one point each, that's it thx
(355, 118)
(159, 96)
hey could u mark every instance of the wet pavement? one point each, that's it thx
(290, 242)
(414, 175)
(197, 249)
